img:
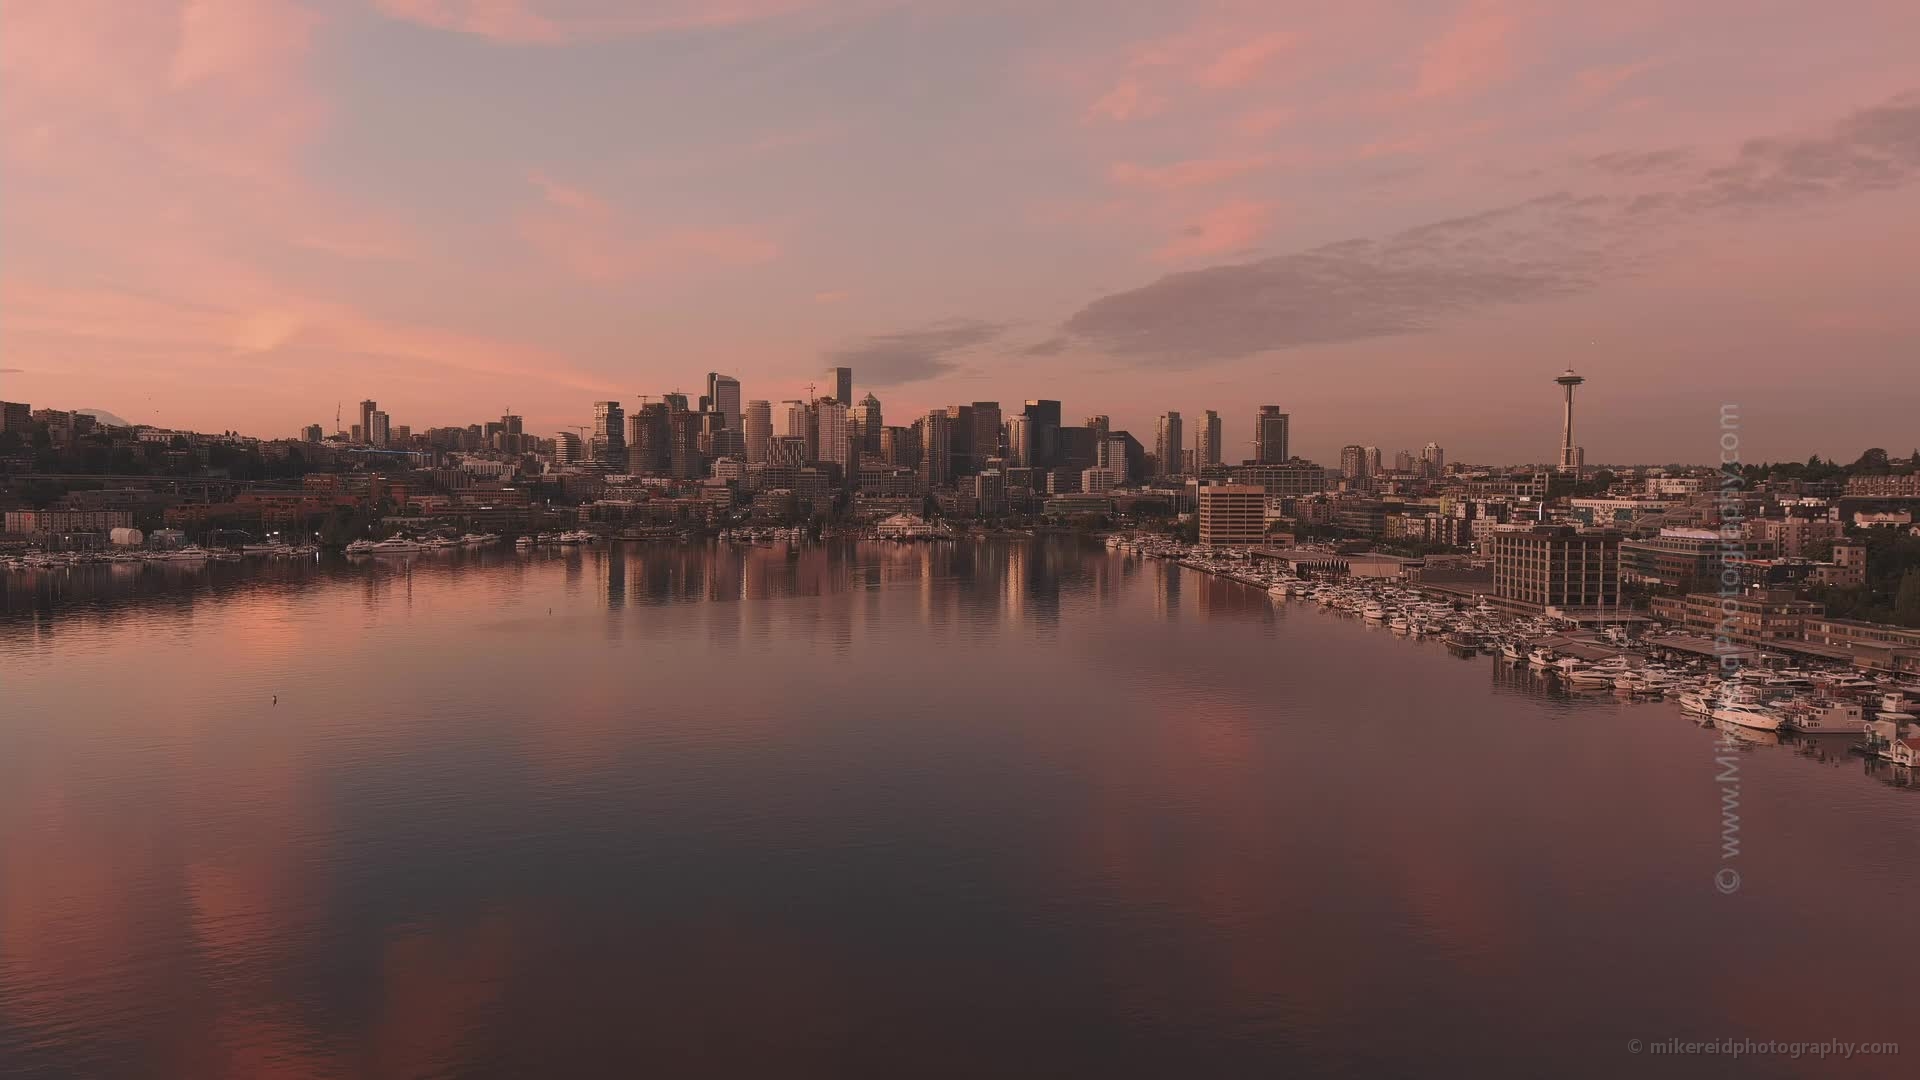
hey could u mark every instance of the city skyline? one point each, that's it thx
(1397, 223)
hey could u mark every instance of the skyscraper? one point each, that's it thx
(367, 408)
(1373, 461)
(986, 432)
(1433, 459)
(1270, 436)
(936, 460)
(1206, 442)
(609, 446)
(649, 433)
(1353, 462)
(757, 424)
(868, 422)
(841, 380)
(1020, 440)
(961, 459)
(1045, 415)
(1167, 444)
(723, 397)
(831, 424)
(380, 434)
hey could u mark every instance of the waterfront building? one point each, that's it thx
(1557, 566)
(1270, 436)
(904, 527)
(1232, 515)
(31, 522)
(1167, 444)
(1687, 559)
(1756, 617)
(1874, 646)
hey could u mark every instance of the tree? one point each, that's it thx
(1872, 463)
(1906, 602)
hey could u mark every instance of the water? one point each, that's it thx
(1024, 809)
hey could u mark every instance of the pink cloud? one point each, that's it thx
(1242, 62)
(595, 241)
(831, 296)
(1126, 100)
(1470, 54)
(1225, 229)
(1182, 175)
(538, 22)
(1262, 122)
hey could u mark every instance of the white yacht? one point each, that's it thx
(190, 553)
(1747, 715)
(1696, 702)
(360, 547)
(396, 545)
(1373, 611)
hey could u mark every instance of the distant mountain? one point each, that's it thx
(106, 417)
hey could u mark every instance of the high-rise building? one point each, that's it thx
(675, 401)
(1353, 462)
(310, 433)
(649, 439)
(757, 425)
(960, 455)
(1403, 462)
(831, 425)
(787, 451)
(840, 380)
(381, 433)
(1167, 444)
(1020, 440)
(723, 397)
(1045, 415)
(1270, 436)
(567, 448)
(868, 423)
(1112, 455)
(1433, 459)
(15, 416)
(1373, 461)
(1099, 424)
(936, 450)
(367, 408)
(1557, 566)
(1206, 441)
(609, 446)
(986, 432)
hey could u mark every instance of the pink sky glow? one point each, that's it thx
(1397, 220)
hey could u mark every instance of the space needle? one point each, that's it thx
(1571, 456)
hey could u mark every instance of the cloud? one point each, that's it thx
(913, 355)
(1242, 62)
(1225, 228)
(546, 22)
(1547, 246)
(1472, 53)
(595, 241)
(1200, 172)
(1127, 100)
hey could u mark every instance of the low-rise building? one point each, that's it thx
(1557, 566)
(1755, 617)
(1232, 515)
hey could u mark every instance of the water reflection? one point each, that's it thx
(948, 809)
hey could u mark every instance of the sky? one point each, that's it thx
(1398, 221)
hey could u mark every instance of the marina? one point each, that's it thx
(1736, 689)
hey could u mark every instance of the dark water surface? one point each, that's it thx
(960, 810)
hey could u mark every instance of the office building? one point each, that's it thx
(986, 431)
(381, 433)
(1167, 444)
(1286, 480)
(936, 450)
(609, 443)
(840, 384)
(1433, 460)
(365, 428)
(1556, 566)
(1270, 436)
(1206, 441)
(1044, 416)
(1231, 515)
(756, 425)
(1353, 462)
